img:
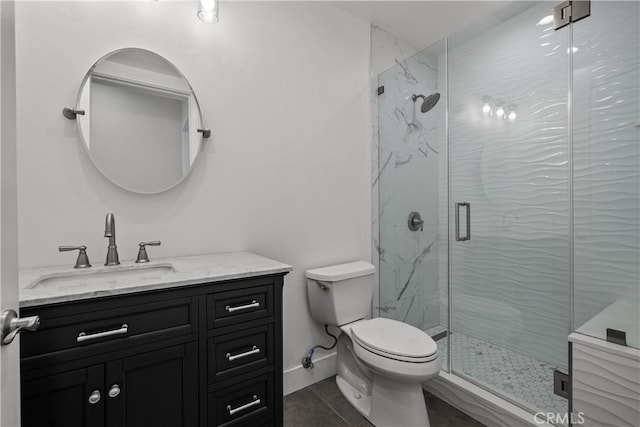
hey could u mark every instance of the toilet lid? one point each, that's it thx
(394, 338)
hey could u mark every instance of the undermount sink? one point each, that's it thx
(112, 275)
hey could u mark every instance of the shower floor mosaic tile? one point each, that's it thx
(523, 379)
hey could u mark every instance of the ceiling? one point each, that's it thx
(422, 23)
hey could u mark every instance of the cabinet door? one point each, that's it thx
(70, 399)
(158, 388)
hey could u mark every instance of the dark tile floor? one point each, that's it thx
(322, 405)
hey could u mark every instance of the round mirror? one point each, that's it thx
(139, 120)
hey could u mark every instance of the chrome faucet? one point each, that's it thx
(110, 232)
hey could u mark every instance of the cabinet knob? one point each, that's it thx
(114, 391)
(94, 397)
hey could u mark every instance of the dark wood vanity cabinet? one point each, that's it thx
(153, 388)
(196, 356)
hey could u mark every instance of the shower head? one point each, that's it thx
(428, 102)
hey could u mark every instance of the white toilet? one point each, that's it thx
(382, 363)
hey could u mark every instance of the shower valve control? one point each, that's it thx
(415, 222)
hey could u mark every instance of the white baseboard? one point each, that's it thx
(479, 404)
(298, 377)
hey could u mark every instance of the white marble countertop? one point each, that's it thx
(186, 271)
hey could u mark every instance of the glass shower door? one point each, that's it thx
(606, 170)
(509, 205)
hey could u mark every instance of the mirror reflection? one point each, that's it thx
(141, 120)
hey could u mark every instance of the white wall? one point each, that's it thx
(9, 354)
(284, 88)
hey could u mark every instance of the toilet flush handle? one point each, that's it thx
(323, 285)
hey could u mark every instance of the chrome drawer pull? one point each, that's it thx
(232, 357)
(255, 402)
(82, 336)
(253, 304)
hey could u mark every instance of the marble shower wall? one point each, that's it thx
(386, 49)
(408, 166)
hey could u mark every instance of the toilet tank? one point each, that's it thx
(340, 294)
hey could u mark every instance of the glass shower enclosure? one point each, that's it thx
(525, 175)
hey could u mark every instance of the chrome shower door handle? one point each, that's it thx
(467, 235)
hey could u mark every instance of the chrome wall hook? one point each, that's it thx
(71, 113)
(206, 132)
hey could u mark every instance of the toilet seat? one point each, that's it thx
(394, 340)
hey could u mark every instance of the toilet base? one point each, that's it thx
(361, 402)
(391, 404)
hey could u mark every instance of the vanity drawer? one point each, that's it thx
(241, 305)
(247, 404)
(232, 354)
(132, 325)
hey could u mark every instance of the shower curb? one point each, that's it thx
(479, 404)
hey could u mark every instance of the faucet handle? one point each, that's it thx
(83, 260)
(142, 252)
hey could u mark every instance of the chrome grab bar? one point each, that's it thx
(255, 402)
(253, 304)
(468, 233)
(232, 357)
(82, 336)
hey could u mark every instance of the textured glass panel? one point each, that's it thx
(607, 169)
(509, 159)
